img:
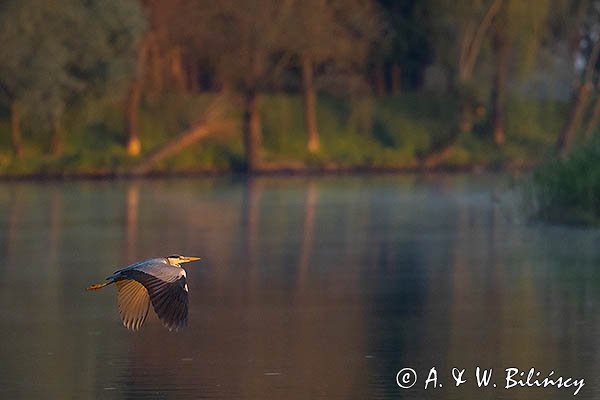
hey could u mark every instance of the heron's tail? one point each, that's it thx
(97, 286)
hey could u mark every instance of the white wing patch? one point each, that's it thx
(134, 303)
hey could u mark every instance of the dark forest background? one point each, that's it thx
(94, 86)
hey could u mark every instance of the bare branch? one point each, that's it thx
(474, 47)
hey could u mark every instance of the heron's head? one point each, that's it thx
(176, 259)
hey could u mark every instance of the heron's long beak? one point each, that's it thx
(189, 259)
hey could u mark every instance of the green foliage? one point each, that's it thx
(283, 125)
(345, 129)
(401, 132)
(568, 191)
(533, 121)
(52, 51)
(525, 24)
(386, 132)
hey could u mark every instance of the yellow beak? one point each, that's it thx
(189, 259)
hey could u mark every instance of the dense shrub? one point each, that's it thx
(568, 191)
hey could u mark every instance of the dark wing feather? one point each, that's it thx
(169, 299)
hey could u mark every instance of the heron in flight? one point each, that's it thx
(157, 280)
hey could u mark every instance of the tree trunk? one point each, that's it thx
(473, 40)
(57, 143)
(154, 64)
(503, 49)
(15, 129)
(176, 69)
(134, 145)
(379, 80)
(464, 73)
(593, 121)
(310, 105)
(252, 130)
(396, 79)
(567, 135)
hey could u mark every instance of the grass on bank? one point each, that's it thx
(387, 132)
(568, 191)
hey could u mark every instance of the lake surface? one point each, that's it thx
(308, 288)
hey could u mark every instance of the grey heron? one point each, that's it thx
(160, 281)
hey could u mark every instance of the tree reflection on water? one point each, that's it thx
(308, 287)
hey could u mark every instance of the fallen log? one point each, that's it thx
(212, 121)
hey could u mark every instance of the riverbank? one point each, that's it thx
(407, 133)
(283, 171)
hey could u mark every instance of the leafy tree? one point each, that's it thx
(477, 39)
(330, 33)
(584, 24)
(242, 45)
(519, 27)
(171, 35)
(462, 31)
(247, 45)
(53, 51)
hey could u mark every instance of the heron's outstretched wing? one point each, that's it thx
(167, 289)
(134, 303)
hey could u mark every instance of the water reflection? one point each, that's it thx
(131, 220)
(308, 288)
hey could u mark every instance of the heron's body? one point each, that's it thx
(160, 281)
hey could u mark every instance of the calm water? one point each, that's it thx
(308, 289)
